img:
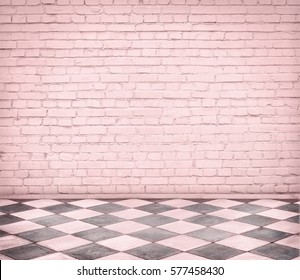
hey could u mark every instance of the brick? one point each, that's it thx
(36, 148)
(94, 148)
(146, 9)
(30, 10)
(92, 130)
(37, 181)
(67, 181)
(111, 10)
(154, 181)
(36, 2)
(34, 165)
(55, 79)
(9, 131)
(61, 113)
(54, 10)
(96, 181)
(35, 130)
(211, 180)
(32, 113)
(77, 2)
(208, 163)
(93, 2)
(8, 165)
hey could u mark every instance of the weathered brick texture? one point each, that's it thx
(149, 96)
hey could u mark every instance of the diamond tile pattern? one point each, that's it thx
(257, 220)
(40, 234)
(27, 252)
(206, 220)
(155, 220)
(216, 252)
(52, 220)
(266, 234)
(153, 234)
(8, 219)
(132, 229)
(97, 234)
(15, 208)
(89, 252)
(210, 234)
(277, 252)
(153, 251)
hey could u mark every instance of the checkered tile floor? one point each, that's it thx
(142, 229)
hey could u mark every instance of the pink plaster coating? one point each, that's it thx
(149, 98)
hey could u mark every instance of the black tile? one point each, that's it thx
(8, 219)
(155, 208)
(276, 252)
(153, 251)
(153, 234)
(3, 233)
(52, 220)
(210, 234)
(290, 207)
(294, 219)
(257, 220)
(155, 201)
(66, 200)
(27, 252)
(201, 200)
(154, 220)
(202, 208)
(41, 234)
(266, 234)
(14, 208)
(206, 220)
(90, 252)
(291, 201)
(103, 220)
(97, 234)
(108, 208)
(216, 252)
(249, 208)
(244, 200)
(61, 208)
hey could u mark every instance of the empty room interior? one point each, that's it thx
(149, 129)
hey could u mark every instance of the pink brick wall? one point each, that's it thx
(149, 96)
